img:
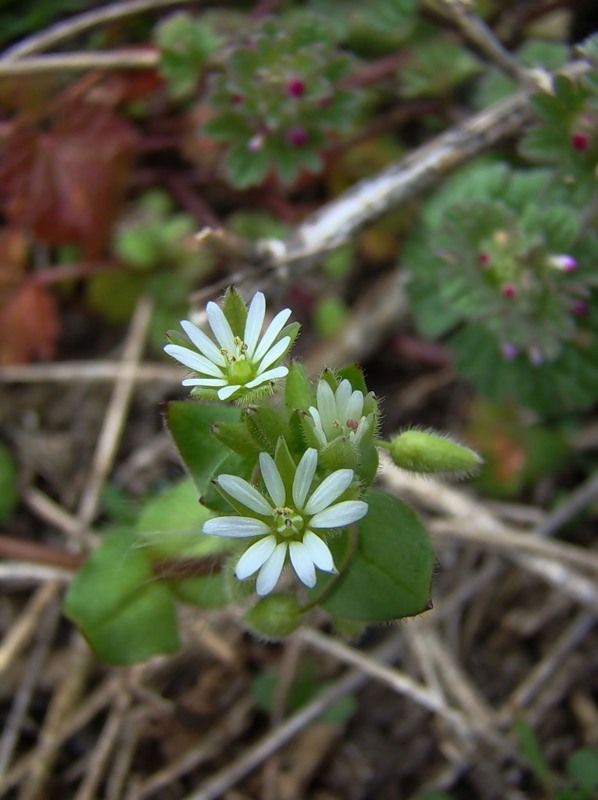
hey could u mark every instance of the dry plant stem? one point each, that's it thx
(231, 727)
(398, 681)
(47, 621)
(106, 742)
(123, 757)
(54, 514)
(363, 332)
(25, 627)
(22, 575)
(93, 704)
(577, 501)
(508, 542)
(287, 672)
(79, 62)
(64, 699)
(525, 693)
(479, 34)
(273, 741)
(82, 371)
(114, 419)
(62, 31)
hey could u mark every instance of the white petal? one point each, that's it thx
(326, 405)
(193, 360)
(329, 490)
(235, 527)
(271, 332)
(203, 343)
(340, 515)
(354, 408)
(225, 393)
(254, 322)
(275, 353)
(342, 395)
(315, 414)
(272, 479)
(270, 572)
(319, 552)
(302, 563)
(245, 493)
(204, 382)
(304, 477)
(220, 327)
(268, 375)
(255, 557)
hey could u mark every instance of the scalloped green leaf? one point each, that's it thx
(390, 572)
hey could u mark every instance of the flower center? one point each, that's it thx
(240, 369)
(288, 523)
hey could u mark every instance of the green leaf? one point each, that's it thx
(171, 523)
(436, 67)
(190, 425)
(8, 484)
(124, 612)
(582, 767)
(390, 574)
(207, 591)
(532, 752)
(246, 167)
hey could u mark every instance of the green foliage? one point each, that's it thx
(124, 612)
(390, 565)
(185, 46)
(330, 314)
(9, 495)
(278, 101)
(581, 767)
(511, 282)
(304, 689)
(436, 67)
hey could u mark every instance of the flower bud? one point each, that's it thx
(424, 452)
(296, 88)
(564, 263)
(580, 141)
(274, 617)
(297, 137)
(509, 290)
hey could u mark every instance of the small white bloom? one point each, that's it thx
(234, 364)
(285, 524)
(338, 413)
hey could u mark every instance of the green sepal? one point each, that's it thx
(236, 437)
(265, 425)
(340, 453)
(354, 374)
(386, 570)
(299, 391)
(292, 331)
(213, 497)
(126, 614)
(309, 433)
(330, 377)
(368, 462)
(235, 311)
(274, 617)
(285, 464)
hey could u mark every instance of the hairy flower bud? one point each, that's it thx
(426, 452)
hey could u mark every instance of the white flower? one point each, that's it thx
(338, 413)
(234, 364)
(286, 524)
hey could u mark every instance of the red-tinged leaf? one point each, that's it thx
(67, 184)
(29, 325)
